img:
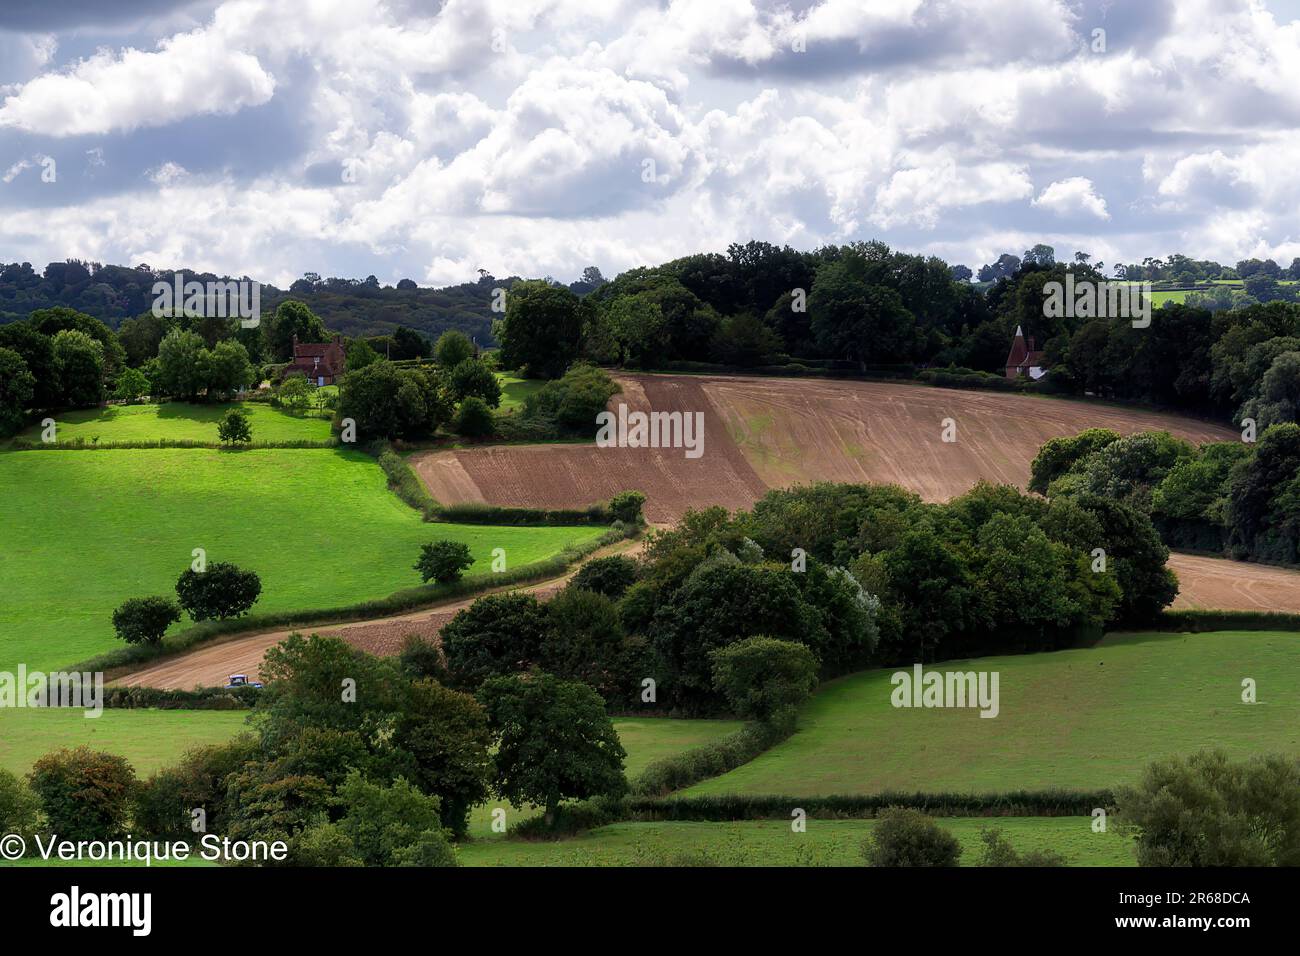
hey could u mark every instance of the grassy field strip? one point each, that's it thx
(179, 421)
(149, 739)
(85, 531)
(772, 843)
(1078, 719)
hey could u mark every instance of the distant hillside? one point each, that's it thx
(350, 306)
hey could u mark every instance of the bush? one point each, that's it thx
(760, 676)
(453, 348)
(443, 561)
(389, 825)
(85, 794)
(145, 620)
(609, 576)
(423, 658)
(473, 378)
(235, 428)
(574, 400)
(626, 506)
(998, 852)
(713, 759)
(20, 808)
(1205, 811)
(904, 837)
(474, 419)
(221, 591)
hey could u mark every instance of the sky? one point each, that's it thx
(427, 140)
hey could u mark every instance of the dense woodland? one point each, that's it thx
(855, 309)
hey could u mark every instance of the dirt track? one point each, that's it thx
(212, 664)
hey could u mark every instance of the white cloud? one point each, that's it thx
(1073, 196)
(513, 134)
(191, 73)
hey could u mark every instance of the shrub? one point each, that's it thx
(574, 400)
(145, 620)
(165, 802)
(473, 378)
(382, 822)
(85, 794)
(474, 419)
(610, 576)
(453, 348)
(1205, 811)
(294, 392)
(904, 837)
(760, 676)
(998, 852)
(423, 658)
(220, 591)
(323, 844)
(235, 428)
(20, 808)
(626, 506)
(443, 561)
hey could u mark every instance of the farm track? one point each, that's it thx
(212, 663)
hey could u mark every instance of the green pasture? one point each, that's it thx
(149, 739)
(773, 843)
(515, 390)
(179, 421)
(83, 531)
(1077, 719)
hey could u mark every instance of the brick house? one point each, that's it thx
(1025, 358)
(321, 362)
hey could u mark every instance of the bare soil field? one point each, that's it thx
(1220, 584)
(570, 476)
(765, 433)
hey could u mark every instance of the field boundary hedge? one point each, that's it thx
(80, 444)
(1209, 620)
(734, 807)
(206, 698)
(712, 759)
(573, 818)
(407, 599)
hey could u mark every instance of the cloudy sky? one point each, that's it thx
(423, 139)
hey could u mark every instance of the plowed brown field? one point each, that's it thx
(574, 476)
(765, 433)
